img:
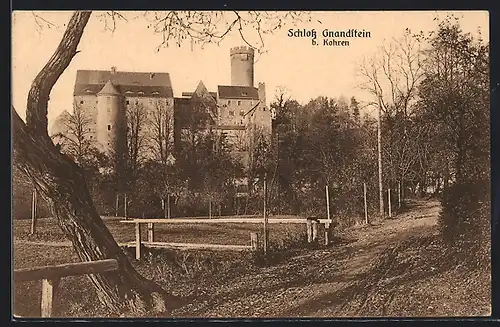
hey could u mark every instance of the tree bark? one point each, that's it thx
(63, 184)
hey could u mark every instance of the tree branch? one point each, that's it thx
(38, 97)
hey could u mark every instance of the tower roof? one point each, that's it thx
(109, 89)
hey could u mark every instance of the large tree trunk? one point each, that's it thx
(63, 184)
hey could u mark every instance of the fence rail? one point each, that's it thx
(51, 275)
(310, 223)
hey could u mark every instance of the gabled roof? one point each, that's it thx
(90, 82)
(59, 124)
(238, 92)
(109, 89)
(201, 97)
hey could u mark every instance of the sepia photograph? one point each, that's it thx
(250, 164)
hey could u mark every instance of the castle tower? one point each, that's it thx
(111, 121)
(242, 66)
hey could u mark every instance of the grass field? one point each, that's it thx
(396, 268)
(228, 233)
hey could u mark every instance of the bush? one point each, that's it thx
(465, 218)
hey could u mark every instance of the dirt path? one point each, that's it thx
(313, 283)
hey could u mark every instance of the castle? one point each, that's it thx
(112, 97)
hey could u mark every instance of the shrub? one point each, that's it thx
(465, 218)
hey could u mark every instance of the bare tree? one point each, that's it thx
(137, 120)
(161, 146)
(63, 183)
(392, 77)
(161, 132)
(76, 139)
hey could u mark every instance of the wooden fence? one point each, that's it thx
(311, 228)
(51, 275)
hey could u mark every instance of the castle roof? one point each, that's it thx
(133, 84)
(109, 89)
(190, 94)
(238, 92)
(202, 98)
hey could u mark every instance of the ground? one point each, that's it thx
(397, 267)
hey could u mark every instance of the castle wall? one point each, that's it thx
(88, 103)
(232, 111)
(152, 111)
(262, 117)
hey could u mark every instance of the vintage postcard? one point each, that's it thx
(250, 164)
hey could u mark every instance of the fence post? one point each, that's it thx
(137, 241)
(151, 232)
(49, 288)
(314, 230)
(254, 241)
(309, 231)
(327, 233)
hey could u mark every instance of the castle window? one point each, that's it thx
(90, 129)
(231, 113)
(228, 102)
(109, 128)
(128, 102)
(81, 102)
(239, 103)
(90, 136)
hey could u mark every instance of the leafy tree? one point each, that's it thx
(455, 98)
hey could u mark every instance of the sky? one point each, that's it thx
(304, 70)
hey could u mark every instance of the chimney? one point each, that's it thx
(113, 69)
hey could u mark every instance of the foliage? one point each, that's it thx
(455, 99)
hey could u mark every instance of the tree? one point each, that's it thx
(161, 131)
(63, 183)
(354, 106)
(161, 147)
(76, 140)
(392, 77)
(136, 139)
(455, 99)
